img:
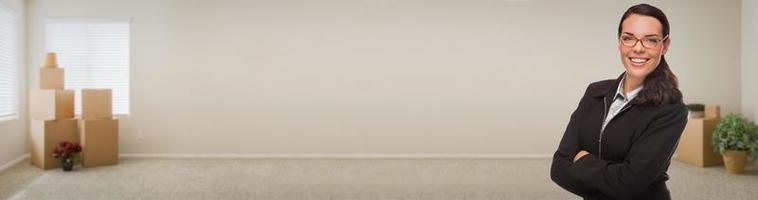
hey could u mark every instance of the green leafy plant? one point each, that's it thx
(736, 133)
(695, 107)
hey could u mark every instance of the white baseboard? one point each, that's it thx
(13, 162)
(342, 156)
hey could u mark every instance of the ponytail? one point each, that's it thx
(660, 87)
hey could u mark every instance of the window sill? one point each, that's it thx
(8, 118)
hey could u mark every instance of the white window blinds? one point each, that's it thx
(95, 54)
(9, 53)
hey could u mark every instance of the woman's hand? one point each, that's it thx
(581, 154)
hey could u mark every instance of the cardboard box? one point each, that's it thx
(51, 104)
(97, 104)
(695, 144)
(50, 60)
(712, 111)
(45, 135)
(99, 141)
(51, 78)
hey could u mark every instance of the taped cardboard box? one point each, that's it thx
(51, 60)
(99, 141)
(51, 104)
(97, 104)
(51, 78)
(45, 135)
(695, 144)
(712, 111)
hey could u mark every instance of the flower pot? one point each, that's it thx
(734, 161)
(68, 164)
(695, 114)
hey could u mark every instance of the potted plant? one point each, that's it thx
(735, 138)
(696, 110)
(68, 153)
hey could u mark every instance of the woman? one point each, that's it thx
(619, 141)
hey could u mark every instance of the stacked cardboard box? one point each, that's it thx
(695, 144)
(52, 115)
(99, 129)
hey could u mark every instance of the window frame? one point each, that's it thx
(47, 47)
(16, 18)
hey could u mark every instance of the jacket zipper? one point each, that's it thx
(600, 140)
(602, 130)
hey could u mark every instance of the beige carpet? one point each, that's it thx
(335, 179)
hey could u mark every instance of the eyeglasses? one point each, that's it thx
(647, 42)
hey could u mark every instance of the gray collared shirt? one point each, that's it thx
(620, 100)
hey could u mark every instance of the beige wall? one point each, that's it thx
(382, 77)
(750, 58)
(13, 131)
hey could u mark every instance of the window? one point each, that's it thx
(95, 54)
(9, 53)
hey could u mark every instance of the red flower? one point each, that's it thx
(66, 149)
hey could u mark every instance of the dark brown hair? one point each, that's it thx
(660, 86)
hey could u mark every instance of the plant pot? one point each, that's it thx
(734, 161)
(68, 164)
(695, 114)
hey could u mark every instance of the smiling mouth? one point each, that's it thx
(637, 61)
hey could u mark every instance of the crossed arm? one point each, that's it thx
(584, 174)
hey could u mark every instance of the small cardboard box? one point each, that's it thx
(51, 60)
(712, 111)
(99, 141)
(97, 104)
(45, 135)
(695, 144)
(51, 104)
(51, 78)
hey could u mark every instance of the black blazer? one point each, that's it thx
(629, 159)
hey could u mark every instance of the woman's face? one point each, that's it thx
(641, 45)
